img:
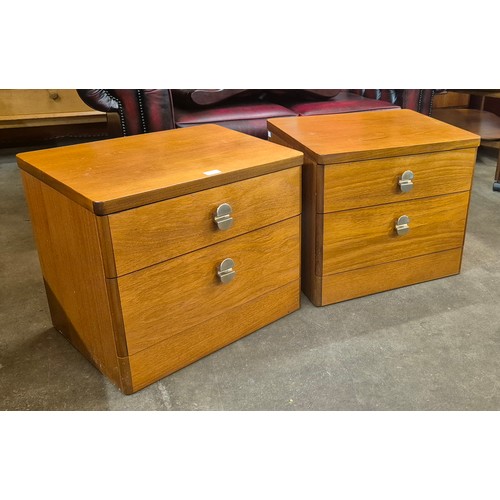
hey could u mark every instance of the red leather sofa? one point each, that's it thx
(136, 111)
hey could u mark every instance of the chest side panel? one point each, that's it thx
(69, 249)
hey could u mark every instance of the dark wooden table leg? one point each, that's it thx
(496, 183)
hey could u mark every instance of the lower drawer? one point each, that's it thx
(358, 238)
(163, 300)
(374, 279)
(180, 350)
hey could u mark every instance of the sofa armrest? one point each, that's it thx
(417, 99)
(139, 111)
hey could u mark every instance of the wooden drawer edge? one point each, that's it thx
(135, 200)
(172, 354)
(375, 182)
(145, 236)
(437, 225)
(360, 282)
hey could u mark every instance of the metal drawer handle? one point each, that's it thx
(405, 182)
(402, 225)
(225, 271)
(223, 217)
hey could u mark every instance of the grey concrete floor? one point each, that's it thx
(431, 346)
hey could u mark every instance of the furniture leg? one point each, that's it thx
(496, 183)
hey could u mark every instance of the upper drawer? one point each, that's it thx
(363, 237)
(154, 233)
(375, 182)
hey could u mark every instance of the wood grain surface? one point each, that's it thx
(449, 99)
(163, 300)
(160, 231)
(174, 353)
(68, 246)
(387, 276)
(19, 103)
(310, 282)
(369, 135)
(375, 182)
(311, 232)
(118, 174)
(482, 123)
(366, 236)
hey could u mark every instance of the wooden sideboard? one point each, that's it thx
(33, 116)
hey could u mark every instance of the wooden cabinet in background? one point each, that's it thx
(450, 99)
(39, 115)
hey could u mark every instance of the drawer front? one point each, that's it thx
(367, 236)
(376, 182)
(165, 299)
(28, 102)
(154, 233)
(178, 351)
(374, 279)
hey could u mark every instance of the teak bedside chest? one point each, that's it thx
(161, 248)
(385, 199)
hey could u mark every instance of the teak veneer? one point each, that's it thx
(119, 174)
(131, 253)
(354, 241)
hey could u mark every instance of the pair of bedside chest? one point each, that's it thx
(158, 249)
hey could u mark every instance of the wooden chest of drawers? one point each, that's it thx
(385, 199)
(159, 249)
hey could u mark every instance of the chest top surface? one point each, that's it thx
(368, 135)
(118, 174)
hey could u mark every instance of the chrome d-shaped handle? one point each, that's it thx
(223, 217)
(406, 181)
(225, 271)
(402, 225)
